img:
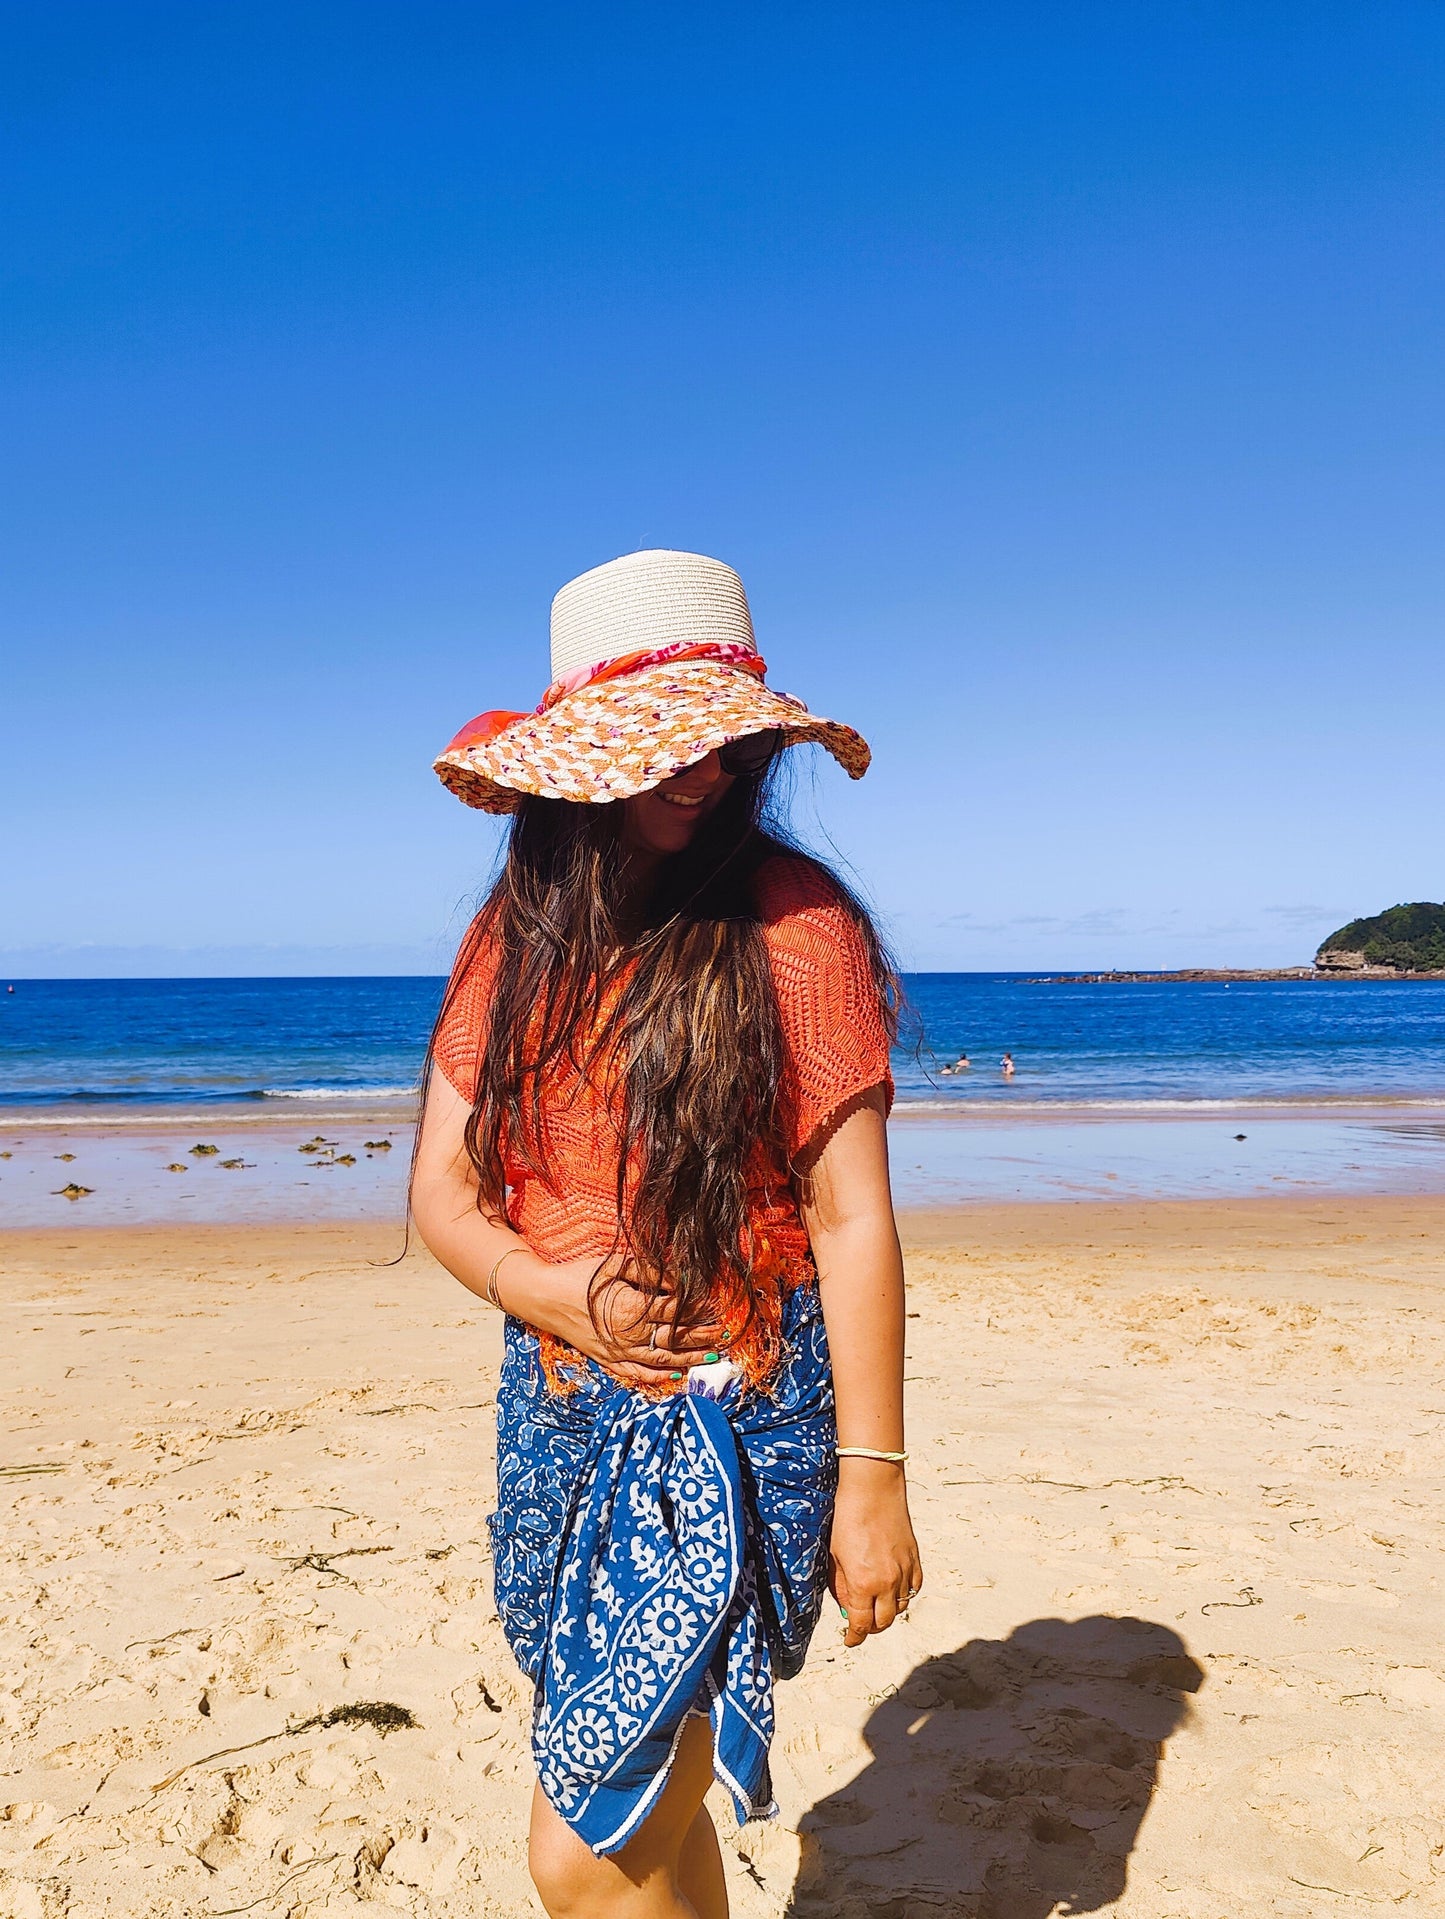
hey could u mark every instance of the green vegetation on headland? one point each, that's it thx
(1407, 939)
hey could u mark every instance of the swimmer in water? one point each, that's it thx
(1006, 1066)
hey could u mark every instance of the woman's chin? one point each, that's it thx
(668, 846)
(665, 830)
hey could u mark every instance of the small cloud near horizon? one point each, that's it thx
(1100, 922)
(1303, 916)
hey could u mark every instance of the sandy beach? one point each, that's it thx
(1177, 1473)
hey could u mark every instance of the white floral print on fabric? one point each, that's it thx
(681, 1566)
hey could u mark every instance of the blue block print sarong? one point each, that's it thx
(659, 1558)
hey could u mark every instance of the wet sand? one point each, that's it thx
(249, 1165)
(1177, 1474)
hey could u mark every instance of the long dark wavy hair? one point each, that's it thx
(666, 1006)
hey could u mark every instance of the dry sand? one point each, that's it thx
(1177, 1475)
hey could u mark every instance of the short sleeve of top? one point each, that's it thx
(828, 1000)
(462, 1031)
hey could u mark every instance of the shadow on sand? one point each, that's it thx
(1009, 1778)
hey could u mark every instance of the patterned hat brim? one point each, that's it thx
(621, 737)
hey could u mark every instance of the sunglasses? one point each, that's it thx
(749, 756)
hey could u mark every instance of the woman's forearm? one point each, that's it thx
(635, 1342)
(489, 1259)
(469, 1242)
(860, 1284)
(849, 1216)
(876, 1569)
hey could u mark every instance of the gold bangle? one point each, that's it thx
(869, 1452)
(489, 1291)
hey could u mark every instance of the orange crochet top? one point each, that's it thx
(836, 1047)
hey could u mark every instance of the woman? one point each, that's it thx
(655, 1141)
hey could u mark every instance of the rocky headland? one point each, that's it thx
(1406, 940)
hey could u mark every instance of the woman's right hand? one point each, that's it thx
(635, 1338)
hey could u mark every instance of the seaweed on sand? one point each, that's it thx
(382, 1715)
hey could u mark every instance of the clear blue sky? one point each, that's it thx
(1065, 381)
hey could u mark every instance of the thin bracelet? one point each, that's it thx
(489, 1291)
(869, 1452)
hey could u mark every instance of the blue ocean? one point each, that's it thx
(108, 1046)
(246, 1099)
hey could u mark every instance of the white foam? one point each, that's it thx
(334, 1092)
(1003, 1108)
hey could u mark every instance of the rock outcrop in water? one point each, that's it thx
(1403, 939)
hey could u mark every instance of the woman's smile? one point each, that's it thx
(663, 820)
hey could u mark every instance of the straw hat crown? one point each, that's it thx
(646, 601)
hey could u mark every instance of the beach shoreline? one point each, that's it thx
(247, 1168)
(920, 1226)
(969, 1103)
(246, 1474)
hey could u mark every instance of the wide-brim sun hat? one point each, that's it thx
(654, 665)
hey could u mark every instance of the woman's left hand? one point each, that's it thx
(876, 1565)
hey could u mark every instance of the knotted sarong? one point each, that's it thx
(659, 1558)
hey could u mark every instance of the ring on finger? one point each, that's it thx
(652, 1336)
